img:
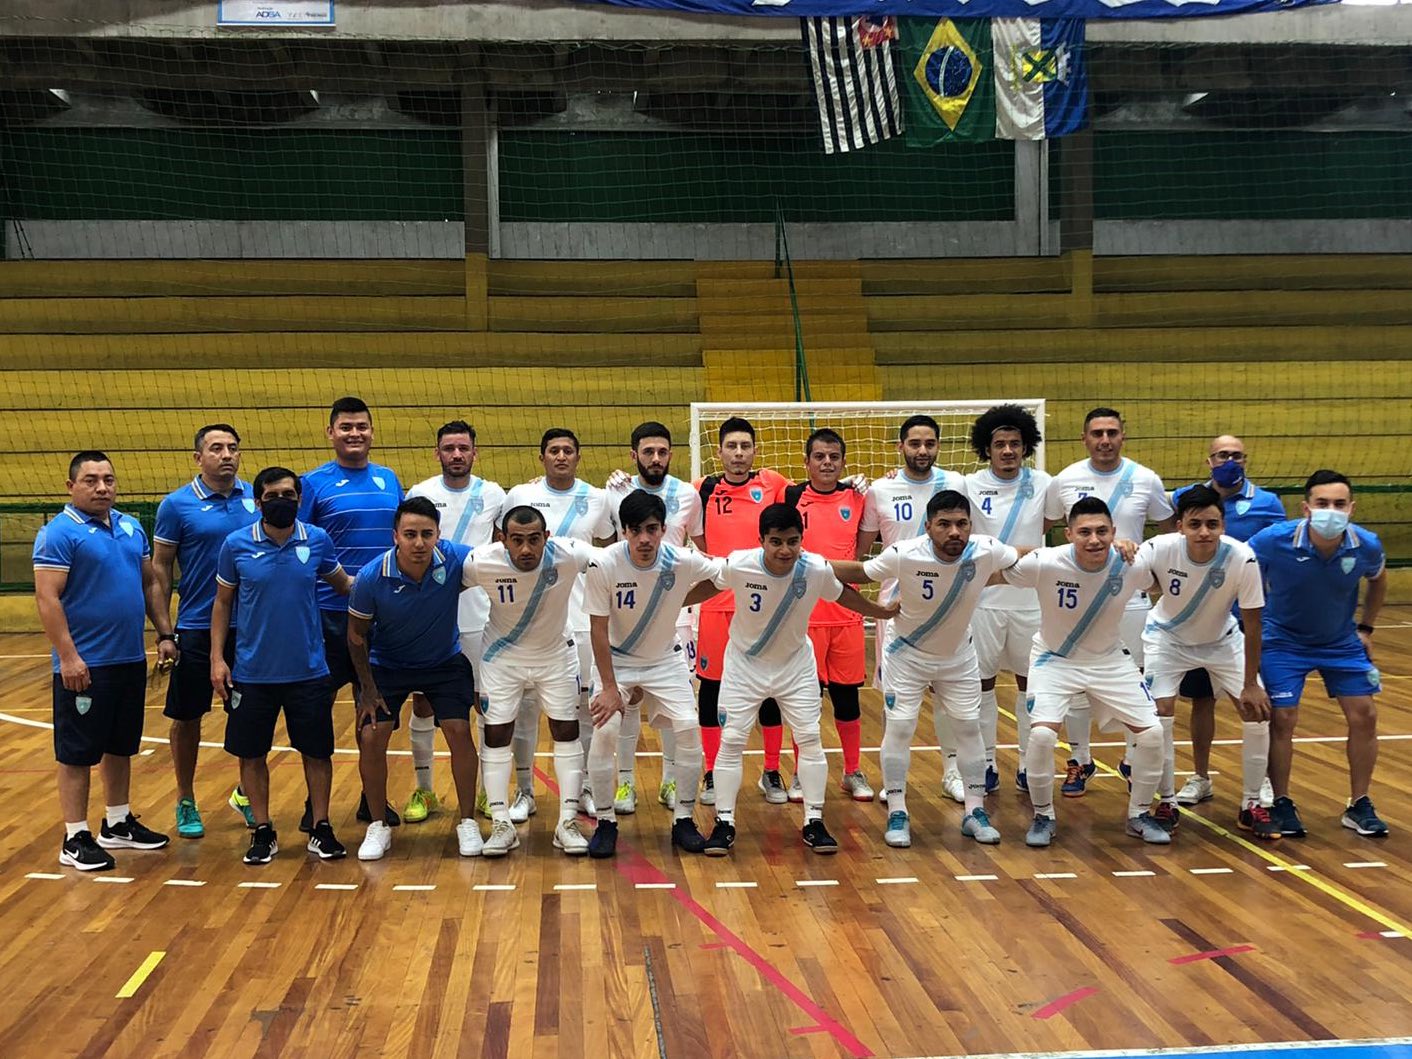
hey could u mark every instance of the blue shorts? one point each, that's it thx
(1345, 667)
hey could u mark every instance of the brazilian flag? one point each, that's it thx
(949, 83)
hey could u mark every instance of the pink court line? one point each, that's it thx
(1067, 1000)
(636, 868)
(1213, 954)
(1379, 935)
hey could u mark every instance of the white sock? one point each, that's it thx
(628, 733)
(495, 767)
(1022, 724)
(70, 830)
(1076, 726)
(1129, 741)
(669, 749)
(685, 768)
(990, 720)
(568, 771)
(585, 724)
(813, 773)
(1146, 761)
(945, 737)
(727, 773)
(896, 757)
(601, 752)
(1167, 787)
(525, 740)
(1039, 765)
(116, 814)
(970, 759)
(1254, 758)
(423, 738)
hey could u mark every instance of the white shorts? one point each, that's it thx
(473, 647)
(1113, 685)
(666, 691)
(956, 681)
(1133, 622)
(1003, 639)
(1168, 661)
(686, 636)
(747, 682)
(554, 682)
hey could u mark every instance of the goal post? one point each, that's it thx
(869, 429)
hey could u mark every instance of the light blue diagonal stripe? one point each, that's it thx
(1195, 601)
(466, 513)
(1095, 608)
(666, 563)
(1016, 506)
(958, 585)
(792, 595)
(546, 566)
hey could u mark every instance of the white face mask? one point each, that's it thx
(1328, 522)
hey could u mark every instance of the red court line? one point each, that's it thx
(636, 868)
(1068, 1000)
(800, 1031)
(1213, 954)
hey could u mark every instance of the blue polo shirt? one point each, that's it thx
(1309, 600)
(1248, 511)
(281, 639)
(355, 507)
(102, 598)
(414, 622)
(196, 521)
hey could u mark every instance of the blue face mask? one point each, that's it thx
(1228, 475)
(1328, 522)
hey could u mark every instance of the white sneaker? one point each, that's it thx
(376, 842)
(569, 838)
(523, 807)
(855, 785)
(952, 785)
(503, 838)
(468, 838)
(796, 792)
(667, 794)
(1197, 789)
(586, 804)
(625, 800)
(1267, 793)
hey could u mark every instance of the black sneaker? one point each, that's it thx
(1286, 818)
(263, 846)
(83, 853)
(687, 837)
(604, 842)
(721, 840)
(1363, 818)
(323, 842)
(390, 817)
(817, 837)
(130, 835)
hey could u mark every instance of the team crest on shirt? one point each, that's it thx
(1114, 585)
(377, 481)
(1026, 490)
(799, 588)
(1346, 564)
(581, 505)
(249, 505)
(845, 513)
(1217, 578)
(301, 551)
(550, 577)
(1375, 680)
(889, 700)
(439, 575)
(1242, 506)
(668, 581)
(673, 505)
(127, 528)
(757, 494)
(968, 570)
(474, 506)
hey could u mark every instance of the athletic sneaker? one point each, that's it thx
(483, 803)
(1076, 779)
(365, 816)
(604, 842)
(1042, 831)
(130, 835)
(323, 842)
(522, 807)
(468, 839)
(1148, 829)
(568, 836)
(977, 825)
(1126, 771)
(421, 804)
(817, 837)
(796, 792)
(503, 838)
(241, 805)
(586, 804)
(899, 830)
(83, 853)
(721, 840)
(1363, 818)
(687, 837)
(667, 794)
(1255, 818)
(263, 846)
(188, 819)
(1022, 781)
(1168, 816)
(1286, 818)
(855, 785)
(376, 842)
(992, 780)
(952, 785)
(625, 799)
(708, 789)
(1195, 790)
(1267, 792)
(771, 785)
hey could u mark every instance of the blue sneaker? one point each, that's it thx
(1126, 771)
(1022, 781)
(977, 825)
(1076, 779)
(899, 830)
(1361, 817)
(1042, 831)
(188, 819)
(992, 780)
(241, 805)
(1286, 818)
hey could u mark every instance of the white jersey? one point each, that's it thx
(937, 596)
(771, 619)
(1195, 607)
(642, 605)
(1134, 494)
(683, 505)
(1080, 612)
(580, 512)
(528, 608)
(896, 510)
(1012, 511)
(468, 516)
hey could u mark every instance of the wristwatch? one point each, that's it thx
(1369, 629)
(162, 636)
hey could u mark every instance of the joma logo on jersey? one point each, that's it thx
(626, 584)
(752, 584)
(1066, 584)
(1177, 573)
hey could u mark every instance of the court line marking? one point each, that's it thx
(1308, 877)
(121, 880)
(576, 886)
(45, 875)
(1364, 864)
(1274, 1046)
(335, 886)
(418, 887)
(493, 887)
(1212, 871)
(1144, 874)
(1048, 1011)
(816, 882)
(134, 983)
(655, 886)
(1055, 875)
(900, 880)
(737, 885)
(1211, 954)
(257, 886)
(977, 878)
(1288, 867)
(183, 882)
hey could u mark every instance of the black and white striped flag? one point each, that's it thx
(854, 82)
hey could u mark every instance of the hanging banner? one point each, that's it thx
(274, 13)
(1042, 9)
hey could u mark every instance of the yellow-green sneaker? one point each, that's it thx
(482, 803)
(241, 805)
(625, 799)
(420, 805)
(667, 794)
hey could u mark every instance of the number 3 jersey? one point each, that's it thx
(771, 619)
(1195, 607)
(730, 517)
(1012, 511)
(1080, 612)
(642, 605)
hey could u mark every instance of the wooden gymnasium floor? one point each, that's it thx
(946, 948)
